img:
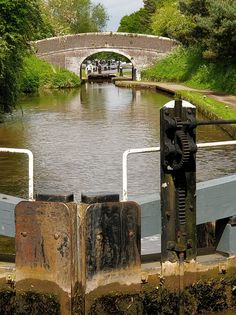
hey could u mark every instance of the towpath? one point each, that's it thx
(175, 87)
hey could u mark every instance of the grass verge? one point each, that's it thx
(211, 108)
(220, 109)
(38, 74)
(186, 65)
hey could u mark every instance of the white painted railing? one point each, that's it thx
(125, 166)
(30, 169)
(157, 149)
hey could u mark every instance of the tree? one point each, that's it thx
(20, 22)
(135, 23)
(99, 17)
(75, 16)
(149, 9)
(139, 21)
(214, 27)
(194, 7)
(47, 30)
(210, 25)
(150, 5)
(175, 27)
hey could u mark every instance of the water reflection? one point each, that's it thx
(78, 138)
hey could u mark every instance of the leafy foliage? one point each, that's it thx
(205, 23)
(20, 20)
(150, 5)
(139, 21)
(135, 23)
(150, 8)
(214, 27)
(74, 16)
(186, 65)
(175, 27)
(37, 74)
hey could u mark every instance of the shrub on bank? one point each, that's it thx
(202, 297)
(38, 74)
(27, 303)
(187, 65)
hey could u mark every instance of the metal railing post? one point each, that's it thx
(157, 149)
(30, 169)
(125, 166)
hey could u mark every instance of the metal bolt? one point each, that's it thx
(56, 236)
(24, 234)
(99, 237)
(131, 233)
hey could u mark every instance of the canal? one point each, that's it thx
(78, 138)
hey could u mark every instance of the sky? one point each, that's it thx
(117, 9)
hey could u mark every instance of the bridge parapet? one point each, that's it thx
(107, 39)
(71, 50)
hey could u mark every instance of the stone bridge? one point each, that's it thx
(70, 51)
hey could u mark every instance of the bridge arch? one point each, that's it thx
(71, 50)
(107, 50)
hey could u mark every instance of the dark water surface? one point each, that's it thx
(78, 138)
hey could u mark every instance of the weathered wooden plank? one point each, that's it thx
(109, 249)
(46, 247)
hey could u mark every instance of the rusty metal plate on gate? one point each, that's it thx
(46, 248)
(112, 244)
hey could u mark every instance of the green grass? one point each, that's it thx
(188, 66)
(220, 109)
(7, 245)
(38, 74)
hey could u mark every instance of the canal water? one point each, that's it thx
(78, 138)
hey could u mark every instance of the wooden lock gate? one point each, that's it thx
(77, 252)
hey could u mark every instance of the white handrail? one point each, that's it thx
(157, 149)
(31, 167)
(216, 144)
(125, 166)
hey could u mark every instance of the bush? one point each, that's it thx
(20, 20)
(37, 74)
(187, 65)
